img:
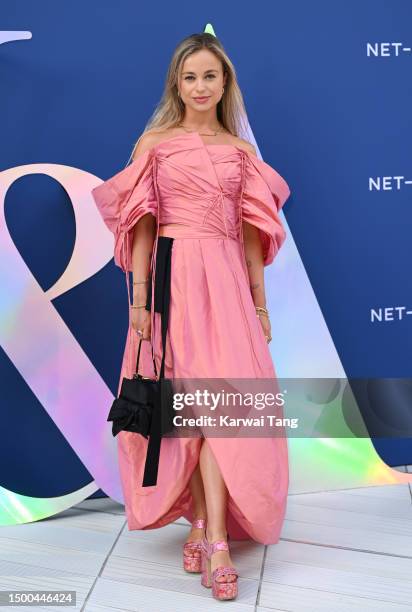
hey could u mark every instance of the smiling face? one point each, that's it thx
(201, 77)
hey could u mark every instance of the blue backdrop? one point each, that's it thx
(328, 94)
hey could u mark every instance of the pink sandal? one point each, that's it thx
(192, 550)
(220, 590)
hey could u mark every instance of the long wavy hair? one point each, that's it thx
(170, 111)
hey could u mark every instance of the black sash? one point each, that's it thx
(161, 305)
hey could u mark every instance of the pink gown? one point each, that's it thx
(213, 330)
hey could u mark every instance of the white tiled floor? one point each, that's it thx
(340, 551)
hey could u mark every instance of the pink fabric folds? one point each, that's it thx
(264, 195)
(124, 198)
(208, 190)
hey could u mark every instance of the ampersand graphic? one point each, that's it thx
(78, 403)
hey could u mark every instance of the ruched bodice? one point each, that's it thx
(183, 180)
(188, 197)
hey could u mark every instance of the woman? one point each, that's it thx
(194, 180)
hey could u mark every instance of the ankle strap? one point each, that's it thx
(215, 546)
(199, 523)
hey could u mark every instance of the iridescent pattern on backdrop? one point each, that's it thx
(301, 347)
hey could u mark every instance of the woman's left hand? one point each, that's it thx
(265, 322)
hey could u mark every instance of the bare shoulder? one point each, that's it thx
(150, 139)
(243, 144)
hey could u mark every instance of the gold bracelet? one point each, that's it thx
(139, 306)
(261, 309)
(140, 282)
(262, 313)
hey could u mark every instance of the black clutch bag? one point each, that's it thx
(140, 397)
(145, 405)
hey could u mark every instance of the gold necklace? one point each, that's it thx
(191, 131)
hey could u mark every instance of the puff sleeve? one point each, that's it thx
(123, 199)
(264, 194)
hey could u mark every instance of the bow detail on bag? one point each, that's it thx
(132, 410)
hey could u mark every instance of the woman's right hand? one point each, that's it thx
(140, 319)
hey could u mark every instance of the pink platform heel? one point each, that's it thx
(220, 590)
(192, 550)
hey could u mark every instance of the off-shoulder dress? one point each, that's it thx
(205, 191)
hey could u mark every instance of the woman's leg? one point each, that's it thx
(216, 503)
(199, 506)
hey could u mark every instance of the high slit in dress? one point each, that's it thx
(213, 332)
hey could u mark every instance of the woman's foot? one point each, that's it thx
(197, 532)
(220, 557)
(192, 546)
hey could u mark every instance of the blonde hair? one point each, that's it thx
(231, 112)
